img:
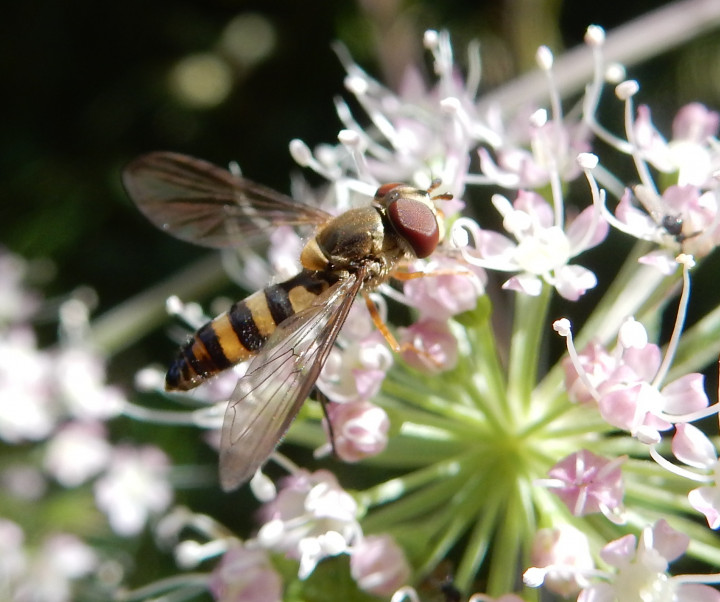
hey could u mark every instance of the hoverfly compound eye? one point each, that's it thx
(415, 221)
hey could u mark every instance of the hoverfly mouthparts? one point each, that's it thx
(288, 329)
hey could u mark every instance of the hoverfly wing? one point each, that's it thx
(278, 380)
(201, 203)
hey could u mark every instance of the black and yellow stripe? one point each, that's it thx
(240, 333)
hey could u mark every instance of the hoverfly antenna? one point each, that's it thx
(434, 185)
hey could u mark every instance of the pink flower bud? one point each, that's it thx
(378, 565)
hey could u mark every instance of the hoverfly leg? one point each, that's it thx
(321, 398)
(403, 276)
(389, 337)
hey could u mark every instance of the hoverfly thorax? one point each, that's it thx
(412, 215)
(349, 238)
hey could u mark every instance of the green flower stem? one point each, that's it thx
(479, 543)
(656, 497)
(564, 420)
(703, 541)
(509, 544)
(480, 364)
(125, 324)
(699, 346)
(429, 505)
(672, 25)
(529, 326)
(457, 468)
(461, 511)
(413, 390)
(195, 582)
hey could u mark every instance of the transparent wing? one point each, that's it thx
(201, 203)
(278, 380)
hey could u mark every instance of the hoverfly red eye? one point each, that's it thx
(385, 188)
(416, 223)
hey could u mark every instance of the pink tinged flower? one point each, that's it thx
(707, 501)
(418, 146)
(77, 452)
(697, 211)
(245, 575)
(587, 483)
(543, 249)
(638, 222)
(694, 213)
(694, 448)
(285, 248)
(23, 481)
(61, 559)
(359, 324)
(80, 375)
(642, 569)
(695, 122)
(27, 407)
(651, 142)
(556, 146)
(573, 281)
(378, 565)
(644, 361)
(597, 364)
(441, 296)
(359, 428)
(532, 149)
(16, 302)
(311, 517)
(524, 283)
(566, 547)
(134, 487)
(642, 410)
(314, 549)
(69, 555)
(685, 395)
(697, 592)
(630, 401)
(661, 260)
(12, 554)
(628, 407)
(586, 230)
(437, 345)
(356, 372)
(692, 128)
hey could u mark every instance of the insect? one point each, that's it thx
(440, 586)
(287, 329)
(673, 225)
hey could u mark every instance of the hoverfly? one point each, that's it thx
(674, 226)
(287, 329)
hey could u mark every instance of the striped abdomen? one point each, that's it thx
(240, 333)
